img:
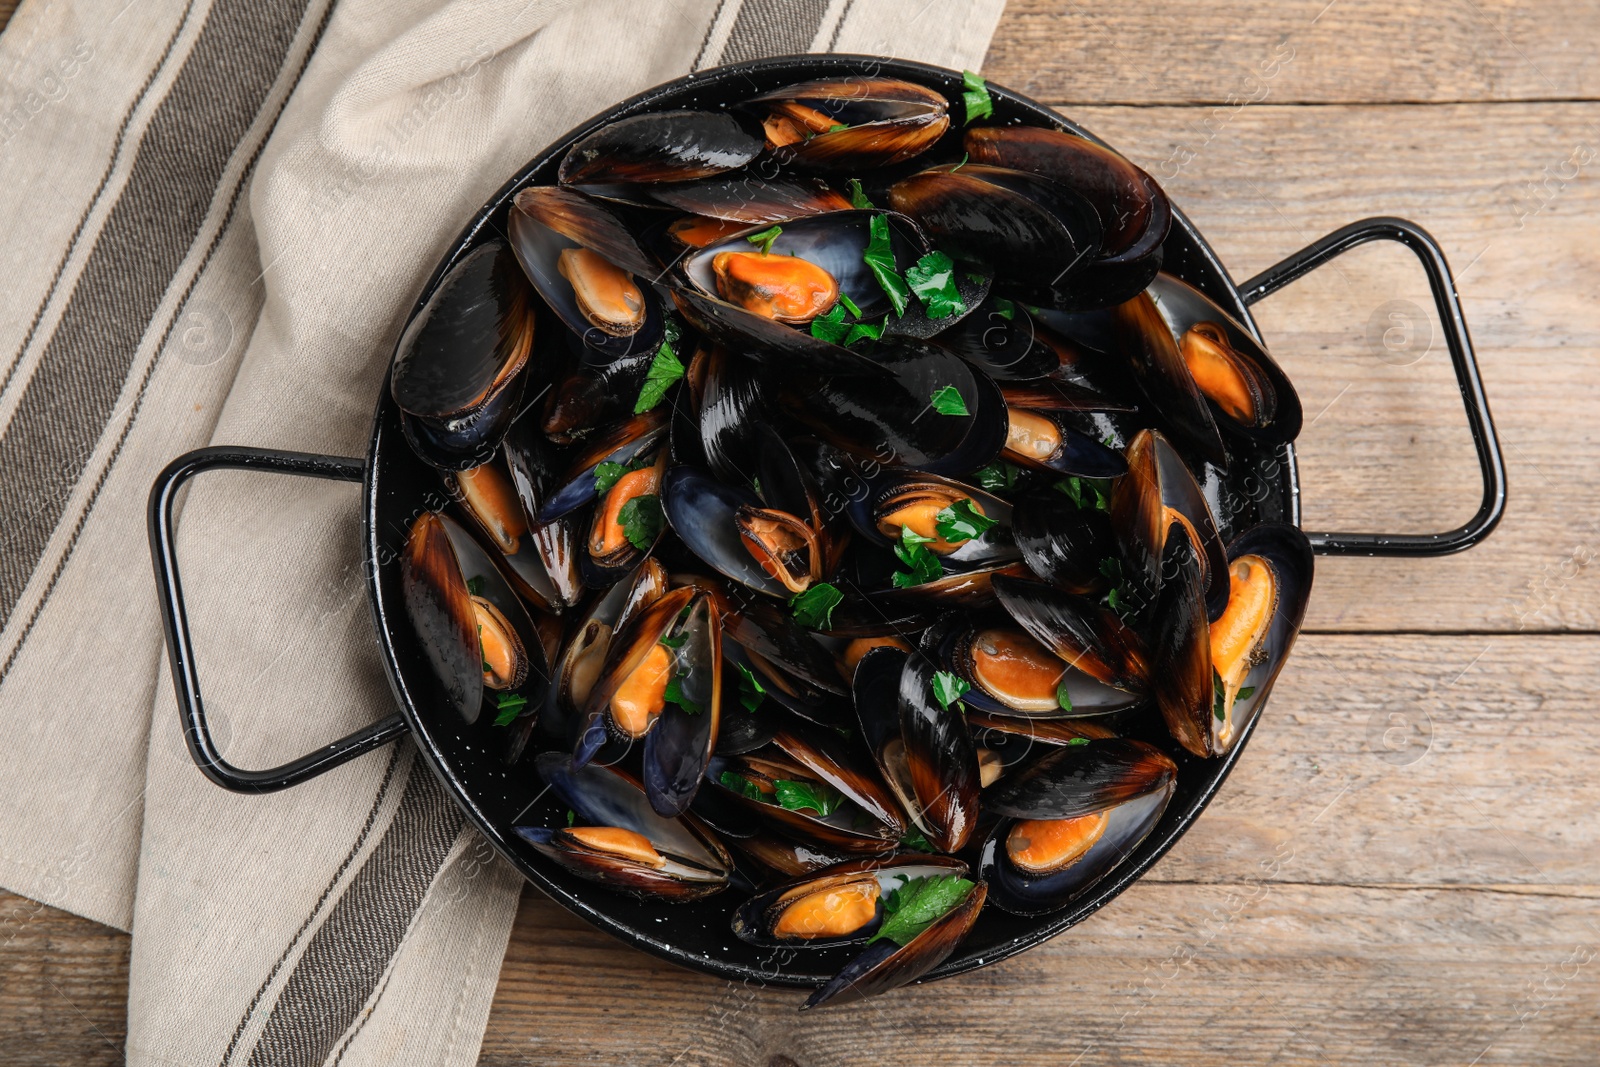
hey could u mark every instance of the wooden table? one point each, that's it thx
(1404, 867)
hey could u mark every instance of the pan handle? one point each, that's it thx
(174, 618)
(1479, 420)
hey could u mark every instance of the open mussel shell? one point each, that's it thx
(1044, 440)
(684, 861)
(941, 761)
(627, 698)
(1080, 631)
(703, 512)
(893, 420)
(772, 345)
(732, 413)
(1075, 780)
(884, 965)
(1018, 225)
(898, 498)
(611, 549)
(1147, 343)
(593, 394)
(628, 443)
(831, 759)
(500, 606)
(785, 856)
(1011, 673)
(839, 905)
(457, 368)
(835, 242)
(851, 124)
(1066, 545)
(677, 750)
(1270, 572)
(1133, 210)
(440, 608)
(587, 647)
(547, 223)
(662, 146)
(847, 828)
(1230, 367)
(750, 720)
(1061, 859)
(752, 200)
(1156, 494)
(530, 460)
(489, 497)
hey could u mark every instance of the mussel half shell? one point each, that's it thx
(1089, 637)
(457, 369)
(1081, 779)
(941, 760)
(851, 123)
(838, 905)
(1230, 367)
(1157, 493)
(897, 499)
(1060, 859)
(677, 751)
(1066, 545)
(752, 200)
(1046, 441)
(518, 666)
(439, 606)
(687, 861)
(629, 696)
(661, 146)
(1159, 369)
(1270, 575)
(627, 443)
(845, 828)
(703, 511)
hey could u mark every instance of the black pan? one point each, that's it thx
(1261, 485)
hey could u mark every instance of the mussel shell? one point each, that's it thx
(884, 965)
(531, 462)
(1158, 479)
(678, 747)
(1064, 544)
(499, 589)
(891, 420)
(828, 757)
(591, 395)
(700, 509)
(457, 370)
(605, 796)
(544, 221)
(1182, 305)
(436, 600)
(895, 485)
(1018, 225)
(1289, 554)
(1089, 637)
(627, 652)
(752, 200)
(888, 121)
(1003, 343)
(772, 345)
(1075, 780)
(660, 146)
(526, 565)
(755, 921)
(963, 589)
(624, 443)
(940, 758)
(732, 414)
(835, 242)
(837, 831)
(1020, 893)
(742, 729)
(1076, 453)
(589, 643)
(786, 857)
(1159, 369)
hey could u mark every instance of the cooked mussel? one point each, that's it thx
(1157, 494)
(839, 905)
(750, 200)
(1214, 675)
(631, 445)
(1168, 386)
(457, 368)
(622, 843)
(851, 123)
(1046, 441)
(1090, 637)
(1071, 547)
(627, 521)
(964, 525)
(1081, 779)
(662, 146)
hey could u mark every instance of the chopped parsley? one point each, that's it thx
(507, 707)
(1087, 492)
(675, 695)
(475, 585)
(743, 786)
(916, 840)
(948, 688)
(608, 474)
(933, 279)
(912, 550)
(1219, 699)
(751, 691)
(765, 238)
(947, 400)
(962, 521)
(1063, 698)
(1005, 308)
(665, 369)
(858, 197)
(813, 608)
(572, 816)
(674, 642)
(641, 520)
(964, 157)
(879, 258)
(1074, 742)
(918, 904)
(975, 95)
(816, 797)
(998, 476)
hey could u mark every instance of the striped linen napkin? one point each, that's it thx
(218, 213)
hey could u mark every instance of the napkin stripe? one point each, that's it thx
(348, 956)
(773, 28)
(68, 402)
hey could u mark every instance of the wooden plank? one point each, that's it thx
(63, 987)
(1303, 51)
(1386, 445)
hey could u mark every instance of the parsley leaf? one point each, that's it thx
(1219, 699)
(1073, 742)
(815, 797)
(1005, 308)
(947, 400)
(933, 279)
(831, 326)
(475, 585)
(741, 785)
(962, 521)
(858, 198)
(964, 157)
(975, 96)
(947, 687)
(641, 520)
(1063, 698)
(508, 706)
(572, 817)
(675, 695)
(751, 691)
(606, 475)
(813, 608)
(879, 258)
(866, 329)
(998, 476)
(919, 904)
(916, 840)
(1087, 492)
(665, 369)
(765, 238)
(914, 553)
(674, 642)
